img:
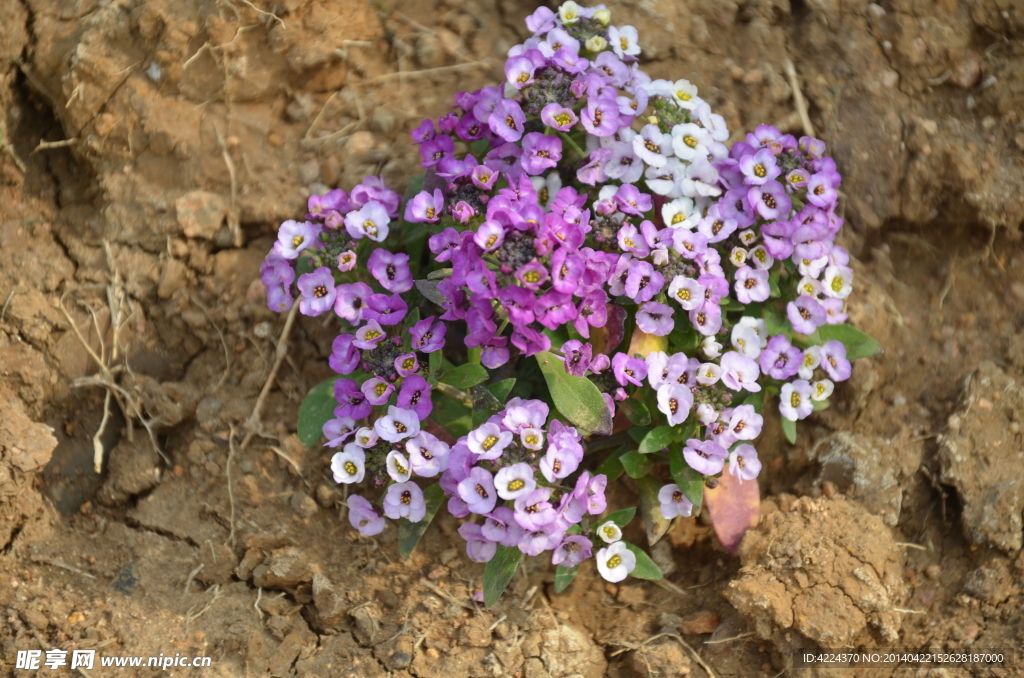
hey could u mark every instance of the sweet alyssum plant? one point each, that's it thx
(588, 281)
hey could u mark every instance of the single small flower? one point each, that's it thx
(407, 364)
(780, 359)
(318, 292)
(711, 347)
(744, 339)
(511, 482)
(507, 120)
(531, 438)
(377, 390)
(743, 463)
(488, 441)
(624, 41)
(338, 430)
(398, 466)
(415, 395)
(428, 456)
(820, 192)
(370, 221)
(477, 490)
(500, 526)
(601, 118)
(609, 532)
(560, 461)
(533, 510)
(428, 335)
(708, 374)
(745, 423)
(740, 372)
(577, 357)
(687, 292)
(349, 465)
(540, 152)
(675, 401)
(390, 270)
(489, 236)
(759, 168)
(366, 437)
(821, 390)
(295, 236)
(369, 335)
(519, 72)
(652, 146)
(655, 318)
(558, 117)
(629, 370)
(704, 456)
(615, 562)
(795, 400)
(834, 361)
(838, 282)
(806, 314)
(674, 502)
(398, 425)
(405, 500)
(425, 207)
(364, 517)
(811, 360)
(573, 550)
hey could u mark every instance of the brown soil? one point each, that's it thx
(194, 128)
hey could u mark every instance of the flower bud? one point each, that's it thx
(596, 44)
(603, 16)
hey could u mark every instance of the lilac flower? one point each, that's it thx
(592, 312)
(488, 441)
(349, 465)
(751, 285)
(806, 314)
(740, 372)
(511, 482)
(834, 362)
(558, 117)
(601, 117)
(519, 72)
(560, 461)
(533, 510)
(377, 391)
(425, 207)
(674, 502)
(643, 282)
(589, 493)
(820, 192)
(525, 414)
(407, 364)
(707, 319)
(631, 201)
(655, 318)
(405, 500)
(569, 60)
(688, 292)
(531, 438)
(623, 164)
(437, 149)
(415, 395)
(675, 401)
(572, 551)
(745, 423)
(629, 370)
(544, 538)
(704, 456)
(652, 146)
(759, 168)
(780, 360)
(500, 526)
(662, 369)
(444, 244)
(489, 236)
(577, 357)
(483, 177)
(507, 120)
(554, 309)
(385, 309)
(350, 301)
(743, 463)
(833, 311)
(540, 152)
(479, 549)
(690, 244)
(351, 401)
(795, 400)
(364, 517)
(338, 430)
(390, 270)
(477, 490)
(615, 562)
(276, 270)
(425, 132)
(592, 172)
(318, 291)
(398, 425)
(541, 21)
(294, 236)
(427, 335)
(463, 212)
(345, 355)
(428, 456)
(715, 226)
(370, 221)
(770, 200)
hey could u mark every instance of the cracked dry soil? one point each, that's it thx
(190, 130)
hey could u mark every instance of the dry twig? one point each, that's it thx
(282, 351)
(798, 99)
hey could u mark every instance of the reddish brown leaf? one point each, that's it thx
(734, 507)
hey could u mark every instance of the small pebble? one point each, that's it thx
(932, 571)
(899, 401)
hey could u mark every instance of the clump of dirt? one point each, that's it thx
(980, 455)
(823, 568)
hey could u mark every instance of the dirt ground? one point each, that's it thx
(151, 148)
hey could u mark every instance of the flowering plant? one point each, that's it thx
(588, 230)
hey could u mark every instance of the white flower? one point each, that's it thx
(488, 441)
(349, 465)
(624, 41)
(738, 256)
(760, 258)
(596, 44)
(690, 141)
(711, 348)
(609, 532)
(838, 282)
(821, 390)
(547, 187)
(398, 466)
(675, 401)
(747, 237)
(398, 425)
(812, 268)
(687, 292)
(708, 374)
(808, 286)
(759, 325)
(674, 502)
(615, 562)
(603, 16)
(652, 146)
(707, 414)
(812, 358)
(685, 95)
(366, 437)
(569, 12)
(712, 122)
(532, 438)
(665, 180)
(701, 179)
(745, 340)
(680, 214)
(514, 481)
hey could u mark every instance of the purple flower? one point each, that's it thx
(415, 395)
(780, 359)
(743, 463)
(425, 132)
(519, 72)
(569, 60)
(444, 244)
(833, 360)
(707, 319)
(833, 311)
(643, 282)
(554, 309)
(428, 456)
(427, 335)
(295, 236)
(317, 290)
(530, 341)
(544, 538)
(589, 493)
(628, 370)
(370, 221)
(820, 191)
(795, 400)
(479, 549)
(500, 526)
(745, 423)
(437, 149)
(751, 285)
(704, 456)
(690, 244)
(541, 21)
(386, 310)
(558, 117)
(338, 430)
(405, 500)
(489, 236)
(572, 551)
(806, 314)
(507, 120)
(631, 201)
(483, 177)
(350, 301)
(675, 401)
(391, 270)
(592, 312)
(560, 460)
(577, 357)
(593, 172)
(364, 517)
(655, 318)
(759, 168)
(276, 270)
(601, 117)
(740, 372)
(462, 212)
(495, 354)
(512, 482)
(540, 152)
(377, 390)
(407, 364)
(674, 502)
(477, 490)
(425, 207)
(770, 200)
(398, 425)
(534, 511)
(351, 401)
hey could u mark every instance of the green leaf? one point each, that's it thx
(857, 343)
(690, 482)
(650, 508)
(428, 288)
(498, 572)
(451, 415)
(657, 439)
(636, 412)
(776, 322)
(612, 466)
(433, 367)
(484, 404)
(637, 433)
(789, 429)
(621, 518)
(564, 577)
(409, 534)
(575, 397)
(757, 400)
(316, 410)
(502, 388)
(636, 465)
(645, 567)
(464, 376)
(440, 274)
(820, 405)
(773, 283)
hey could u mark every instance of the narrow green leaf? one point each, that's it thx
(650, 508)
(820, 405)
(575, 397)
(440, 274)
(502, 388)
(636, 465)
(690, 482)
(773, 283)
(484, 404)
(657, 439)
(409, 534)
(433, 367)
(316, 410)
(857, 343)
(637, 433)
(636, 412)
(645, 567)
(621, 518)
(789, 429)
(564, 577)
(464, 376)
(498, 572)
(612, 466)
(428, 288)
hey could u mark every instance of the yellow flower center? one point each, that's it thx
(489, 442)
(297, 240)
(614, 562)
(350, 468)
(516, 485)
